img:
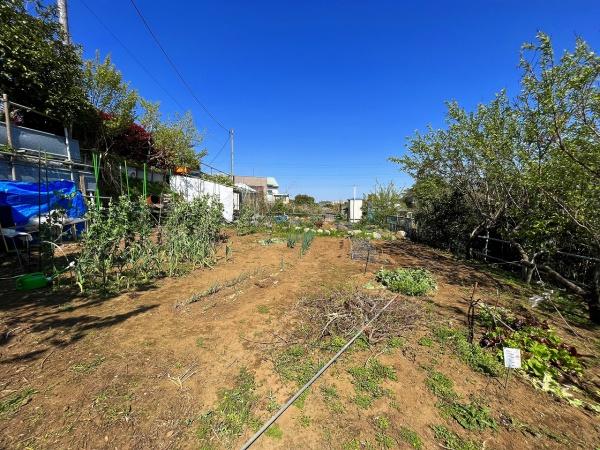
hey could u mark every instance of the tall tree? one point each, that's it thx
(529, 171)
(111, 97)
(36, 68)
(174, 141)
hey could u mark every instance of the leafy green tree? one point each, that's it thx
(36, 68)
(528, 172)
(383, 202)
(304, 200)
(112, 99)
(174, 141)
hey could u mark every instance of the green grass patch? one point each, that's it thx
(331, 397)
(410, 437)
(263, 309)
(415, 282)
(200, 342)
(384, 440)
(274, 432)
(471, 416)
(304, 420)
(294, 364)
(396, 342)
(301, 400)
(382, 423)
(367, 381)
(114, 403)
(232, 414)
(440, 385)
(87, 367)
(15, 401)
(452, 440)
(425, 341)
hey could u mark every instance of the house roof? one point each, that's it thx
(272, 182)
(245, 188)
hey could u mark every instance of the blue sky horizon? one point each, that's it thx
(320, 94)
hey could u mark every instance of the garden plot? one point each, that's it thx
(201, 361)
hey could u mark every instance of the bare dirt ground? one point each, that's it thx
(138, 370)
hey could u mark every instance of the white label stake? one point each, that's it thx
(512, 358)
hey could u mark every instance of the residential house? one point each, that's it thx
(267, 187)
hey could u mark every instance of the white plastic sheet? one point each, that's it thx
(190, 188)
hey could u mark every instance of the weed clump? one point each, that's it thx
(232, 414)
(87, 367)
(440, 385)
(331, 397)
(452, 440)
(411, 438)
(414, 282)
(274, 432)
(14, 402)
(471, 416)
(471, 354)
(294, 364)
(367, 381)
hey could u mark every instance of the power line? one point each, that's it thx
(139, 63)
(222, 147)
(185, 83)
(132, 55)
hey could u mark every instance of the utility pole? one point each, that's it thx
(231, 141)
(64, 20)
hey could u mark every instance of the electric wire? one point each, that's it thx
(132, 55)
(174, 67)
(140, 64)
(222, 147)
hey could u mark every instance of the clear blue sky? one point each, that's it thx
(321, 93)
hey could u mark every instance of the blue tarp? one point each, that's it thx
(28, 199)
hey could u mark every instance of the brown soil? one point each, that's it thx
(106, 371)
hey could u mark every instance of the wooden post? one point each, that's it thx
(7, 120)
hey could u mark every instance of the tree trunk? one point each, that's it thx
(527, 265)
(472, 237)
(594, 298)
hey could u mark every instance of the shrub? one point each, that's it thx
(407, 281)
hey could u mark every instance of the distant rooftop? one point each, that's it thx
(272, 182)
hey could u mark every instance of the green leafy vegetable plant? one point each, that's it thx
(415, 282)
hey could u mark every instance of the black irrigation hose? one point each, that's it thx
(270, 422)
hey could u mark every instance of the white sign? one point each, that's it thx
(512, 358)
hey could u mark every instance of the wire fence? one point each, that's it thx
(576, 268)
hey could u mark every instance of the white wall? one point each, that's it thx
(191, 188)
(355, 210)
